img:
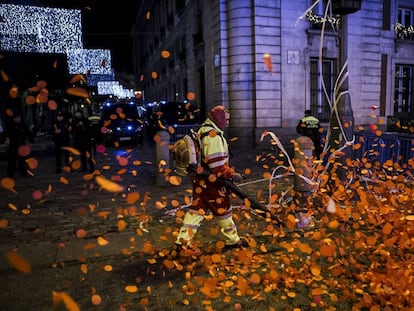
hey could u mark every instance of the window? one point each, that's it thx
(319, 103)
(404, 27)
(403, 95)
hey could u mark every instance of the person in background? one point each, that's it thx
(310, 126)
(61, 138)
(212, 194)
(95, 131)
(16, 134)
(81, 140)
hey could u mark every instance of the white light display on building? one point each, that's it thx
(89, 61)
(114, 88)
(39, 29)
(32, 29)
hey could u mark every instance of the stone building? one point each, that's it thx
(264, 59)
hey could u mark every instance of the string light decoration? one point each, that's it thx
(403, 31)
(316, 19)
(39, 29)
(114, 88)
(89, 61)
(32, 29)
(93, 79)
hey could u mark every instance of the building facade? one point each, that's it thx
(269, 60)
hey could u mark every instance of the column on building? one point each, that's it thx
(253, 92)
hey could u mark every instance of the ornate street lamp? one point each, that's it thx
(342, 120)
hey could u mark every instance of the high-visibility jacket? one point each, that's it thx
(309, 126)
(215, 151)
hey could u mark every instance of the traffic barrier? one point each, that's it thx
(397, 147)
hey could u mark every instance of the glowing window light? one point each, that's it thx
(89, 61)
(39, 29)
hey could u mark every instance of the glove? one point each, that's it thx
(237, 177)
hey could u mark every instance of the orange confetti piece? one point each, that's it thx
(108, 185)
(268, 62)
(165, 54)
(102, 242)
(59, 297)
(63, 180)
(132, 197)
(255, 278)
(81, 233)
(121, 225)
(8, 184)
(108, 268)
(18, 262)
(96, 299)
(316, 270)
(32, 163)
(175, 180)
(4, 223)
(71, 150)
(131, 288)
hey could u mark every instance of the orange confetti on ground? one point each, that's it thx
(255, 278)
(102, 242)
(165, 54)
(12, 206)
(121, 225)
(96, 299)
(131, 288)
(175, 180)
(81, 233)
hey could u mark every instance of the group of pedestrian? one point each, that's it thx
(16, 134)
(65, 132)
(78, 132)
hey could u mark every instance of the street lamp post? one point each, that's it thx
(341, 122)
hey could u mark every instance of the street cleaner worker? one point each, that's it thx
(210, 193)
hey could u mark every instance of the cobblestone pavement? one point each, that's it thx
(47, 232)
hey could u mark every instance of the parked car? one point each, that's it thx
(122, 122)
